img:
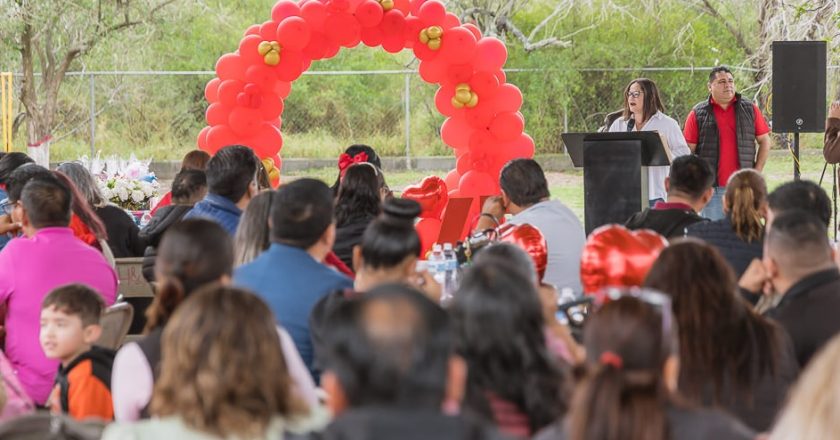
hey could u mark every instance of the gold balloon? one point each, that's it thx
(387, 4)
(463, 96)
(264, 48)
(434, 44)
(473, 100)
(462, 86)
(272, 58)
(456, 103)
(435, 32)
(424, 37)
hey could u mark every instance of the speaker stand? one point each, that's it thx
(795, 155)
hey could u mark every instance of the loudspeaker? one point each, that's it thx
(799, 103)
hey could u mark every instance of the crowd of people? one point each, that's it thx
(307, 311)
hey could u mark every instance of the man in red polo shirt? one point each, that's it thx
(723, 130)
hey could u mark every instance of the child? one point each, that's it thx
(69, 327)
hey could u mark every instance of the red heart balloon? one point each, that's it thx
(431, 194)
(531, 240)
(614, 256)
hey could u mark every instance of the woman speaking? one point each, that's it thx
(643, 112)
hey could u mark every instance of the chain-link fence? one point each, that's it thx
(158, 114)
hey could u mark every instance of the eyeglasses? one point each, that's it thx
(634, 94)
(6, 207)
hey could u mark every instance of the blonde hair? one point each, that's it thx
(746, 194)
(811, 411)
(222, 369)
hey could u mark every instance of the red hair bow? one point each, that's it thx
(345, 160)
(611, 359)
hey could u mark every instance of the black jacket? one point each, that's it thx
(348, 235)
(670, 223)
(381, 423)
(808, 311)
(153, 232)
(123, 234)
(721, 234)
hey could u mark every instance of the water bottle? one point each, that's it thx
(437, 265)
(451, 264)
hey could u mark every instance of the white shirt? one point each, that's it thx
(669, 128)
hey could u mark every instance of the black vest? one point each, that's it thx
(708, 142)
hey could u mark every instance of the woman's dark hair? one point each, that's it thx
(10, 162)
(82, 209)
(499, 328)
(195, 160)
(358, 195)
(722, 339)
(187, 184)
(622, 394)
(651, 103)
(372, 158)
(192, 253)
(391, 237)
(746, 194)
(21, 175)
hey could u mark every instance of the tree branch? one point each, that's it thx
(710, 9)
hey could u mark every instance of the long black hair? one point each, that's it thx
(353, 150)
(391, 237)
(358, 195)
(499, 327)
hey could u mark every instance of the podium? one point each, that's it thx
(615, 177)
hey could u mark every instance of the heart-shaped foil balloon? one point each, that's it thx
(531, 240)
(431, 194)
(614, 256)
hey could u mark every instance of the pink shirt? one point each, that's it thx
(29, 269)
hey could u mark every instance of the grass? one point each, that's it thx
(568, 186)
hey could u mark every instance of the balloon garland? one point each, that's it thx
(484, 125)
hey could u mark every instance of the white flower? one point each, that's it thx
(137, 196)
(122, 193)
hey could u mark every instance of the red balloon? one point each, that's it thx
(485, 85)
(432, 71)
(272, 106)
(474, 29)
(262, 76)
(456, 133)
(523, 146)
(394, 23)
(282, 89)
(459, 73)
(432, 12)
(451, 21)
(337, 6)
(457, 45)
(617, 257)
(508, 98)
(293, 33)
(479, 116)
(230, 66)
(202, 138)
(219, 137)
(403, 6)
(284, 9)
(415, 7)
(211, 90)
(431, 194)
(229, 90)
(452, 179)
(249, 49)
(342, 28)
(428, 229)
(475, 183)
(290, 67)
(254, 29)
(315, 13)
(490, 54)
(317, 47)
(244, 121)
(413, 26)
(372, 36)
(266, 141)
(369, 13)
(268, 30)
(217, 114)
(443, 101)
(393, 43)
(464, 164)
(507, 126)
(501, 76)
(531, 240)
(482, 142)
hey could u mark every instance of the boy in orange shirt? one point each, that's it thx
(69, 327)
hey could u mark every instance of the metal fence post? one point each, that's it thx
(92, 116)
(407, 114)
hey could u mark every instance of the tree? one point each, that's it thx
(50, 36)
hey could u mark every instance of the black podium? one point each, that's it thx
(615, 177)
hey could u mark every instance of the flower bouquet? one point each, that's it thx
(127, 183)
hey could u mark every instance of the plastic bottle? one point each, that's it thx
(437, 265)
(451, 264)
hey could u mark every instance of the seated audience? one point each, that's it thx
(802, 195)
(69, 328)
(689, 188)
(222, 374)
(392, 371)
(730, 356)
(252, 234)
(194, 160)
(31, 267)
(357, 204)
(739, 236)
(231, 184)
(811, 411)
(498, 321)
(799, 266)
(86, 225)
(290, 276)
(123, 233)
(525, 196)
(193, 253)
(188, 187)
(629, 383)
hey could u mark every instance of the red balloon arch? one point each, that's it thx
(483, 125)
